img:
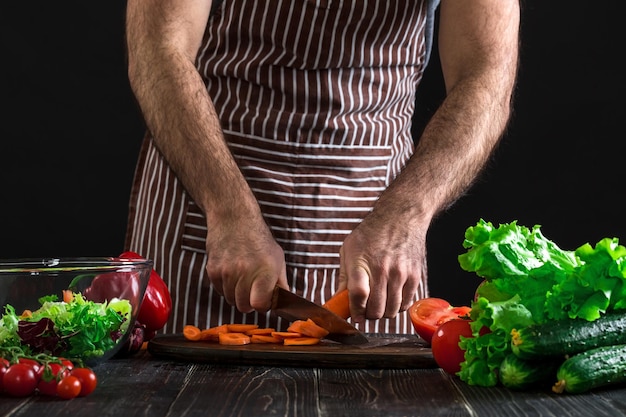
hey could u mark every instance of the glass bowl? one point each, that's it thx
(77, 308)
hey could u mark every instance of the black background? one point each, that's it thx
(70, 132)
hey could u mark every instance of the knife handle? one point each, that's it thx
(339, 304)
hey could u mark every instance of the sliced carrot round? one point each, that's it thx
(263, 331)
(301, 341)
(262, 338)
(241, 327)
(286, 335)
(191, 332)
(234, 339)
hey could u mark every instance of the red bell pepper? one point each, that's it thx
(157, 301)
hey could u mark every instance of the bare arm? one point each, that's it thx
(384, 259)
(163, 39)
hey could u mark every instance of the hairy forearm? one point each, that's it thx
(453, 149)
(185, 127)
(479, 47)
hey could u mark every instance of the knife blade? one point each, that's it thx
(292, 307)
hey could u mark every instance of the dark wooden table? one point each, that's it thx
(148, 386)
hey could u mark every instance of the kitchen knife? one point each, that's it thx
(293, 307)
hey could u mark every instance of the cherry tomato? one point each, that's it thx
(32, 363)
(445, 344)
(50, 375)
(19, 380)
(69, 387)
(428, 314)
(4, 365)
(68, 364)
(87, 378)
(157, 302)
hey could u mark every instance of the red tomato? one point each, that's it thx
(32, 363)
(87, 378)
(68, 364)
(4, 365)
(47, 387)
(49, 378)
(19, 380)
(69, 387)
(428, 314)
(157, 302)
(445, 344)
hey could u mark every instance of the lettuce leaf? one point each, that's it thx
(485, 351)
(597, 286)
(510, 251)
(8, 327)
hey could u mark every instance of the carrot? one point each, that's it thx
(339, 304)
(263, 338)
(234, 339)
(307, 328)
(301, 341)
(212, 333)
(241, 328)
(68, 296)
(267, 331)
(26, 314)
(191, 332)
(286, 335)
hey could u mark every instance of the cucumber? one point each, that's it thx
(592, 369)
(520, 374)
(568, 337)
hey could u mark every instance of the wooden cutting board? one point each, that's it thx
(381, 351)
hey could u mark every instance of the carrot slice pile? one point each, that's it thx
(308, 328)
(299, 332)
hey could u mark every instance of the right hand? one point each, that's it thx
(245, 263)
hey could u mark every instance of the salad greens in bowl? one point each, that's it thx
(82, 309)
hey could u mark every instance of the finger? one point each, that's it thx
(409, 291)
(358, 284)
(282, 281)
(262, 291)
(378, 296)
(216, 281)
(243, 290)
(394, 300)
(402, 280)
(343, 277)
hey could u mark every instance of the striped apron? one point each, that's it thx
(315, 98)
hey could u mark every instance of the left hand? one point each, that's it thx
(382, 263)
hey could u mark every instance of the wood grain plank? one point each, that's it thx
(225, 391)
(540, 402)
(388, 393)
